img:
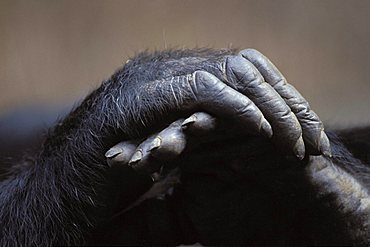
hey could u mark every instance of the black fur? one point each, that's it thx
(246, 193)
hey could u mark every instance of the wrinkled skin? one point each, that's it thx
(272, 108)
(289, 115)
(202, 146)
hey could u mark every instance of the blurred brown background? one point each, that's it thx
(55, 52)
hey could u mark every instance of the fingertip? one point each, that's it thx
(156, 143)
(138, 155)
(120, 159)
(325, 147)
(299, 148)
(250, 53)
(266, 129)
(190, 120)
(112, 152)
(199, 123)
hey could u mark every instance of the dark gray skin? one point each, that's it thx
(236, 187)
(274, 109)
(262, 94)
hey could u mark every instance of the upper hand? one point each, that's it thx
(247, 88)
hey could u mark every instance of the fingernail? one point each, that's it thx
(138, 155)
(299, 149)
(324, 147)
(266, 129)
(188, 121)
(114, 151)
(155, 143)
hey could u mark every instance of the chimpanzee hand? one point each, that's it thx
(246, 87)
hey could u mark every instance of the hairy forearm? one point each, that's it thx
(54, 197)
(347, 181)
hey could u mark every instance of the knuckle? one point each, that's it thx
(242, 73)
(205, 84)
(249, 51)
(247, 109)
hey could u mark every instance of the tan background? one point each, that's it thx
(54, 52)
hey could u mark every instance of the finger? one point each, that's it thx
(170, 142)
(121, 153)
(202, 90)
(164, 146)
(141, 159)
(198, 124)
(313, 129)
(222, 100)
(247, 79)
